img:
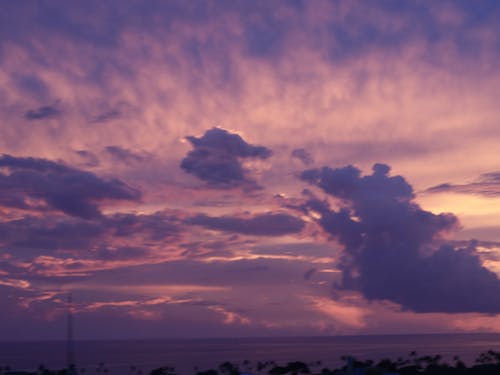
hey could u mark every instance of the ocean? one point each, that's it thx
(189, 355)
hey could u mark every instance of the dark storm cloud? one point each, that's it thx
(123, 155)
(488, 184)
(216, 158)
(303, 155)
(389, 245)
(40, 183)
(41, 113)
(268, 224)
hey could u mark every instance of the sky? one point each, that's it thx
(235, 168)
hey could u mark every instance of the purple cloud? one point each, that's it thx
(303, 155)
(268, 224)
(216, 158)
(488, 184)
(89, 159)
(120, 253)
(35, 183)
(123, 155)
(51, 233)
(106, 116)
(390, 251)
(41, 113)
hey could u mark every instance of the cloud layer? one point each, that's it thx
(116, 185)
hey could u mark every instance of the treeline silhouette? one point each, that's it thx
(486, 363)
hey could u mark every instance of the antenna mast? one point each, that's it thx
(69, 349)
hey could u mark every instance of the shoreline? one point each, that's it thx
(487, 362)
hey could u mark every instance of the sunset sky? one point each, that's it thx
(249, 168)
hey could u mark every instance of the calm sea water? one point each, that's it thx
(119, 356)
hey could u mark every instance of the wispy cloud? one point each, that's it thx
(268, 224)
(488, 184)
(42, 113)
